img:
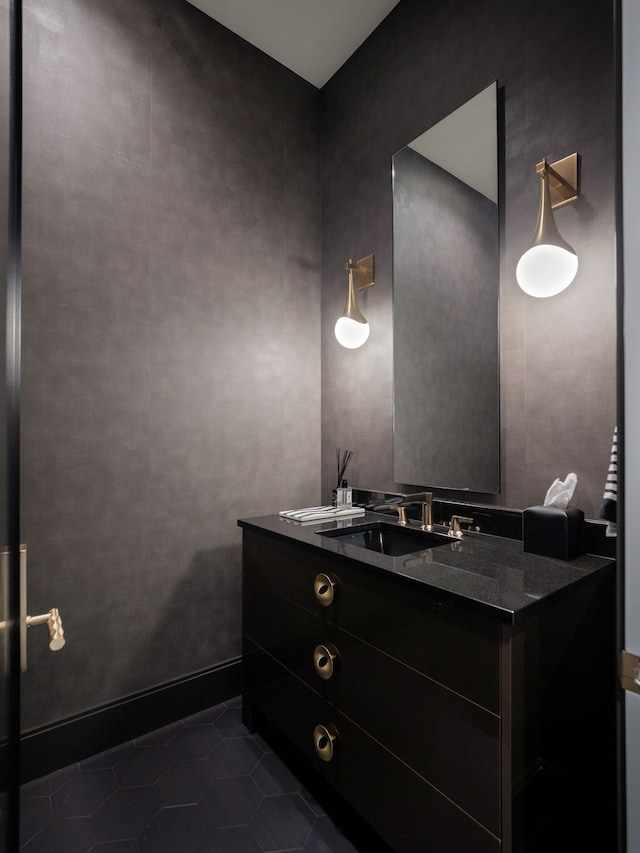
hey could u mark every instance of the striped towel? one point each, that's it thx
(321, 513)
(608, 511)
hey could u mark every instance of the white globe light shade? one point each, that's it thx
(546, 270)
(351, 333)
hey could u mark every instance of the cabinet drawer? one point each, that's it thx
(451, 742)
(273, 621)
(404, 809)
(451, 644)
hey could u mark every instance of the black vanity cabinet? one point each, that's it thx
(423, 713)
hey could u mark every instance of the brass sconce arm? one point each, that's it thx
(352, 328)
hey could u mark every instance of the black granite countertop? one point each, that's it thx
(487, 572)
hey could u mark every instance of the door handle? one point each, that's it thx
(629, 671)
(4, 597)
(52, 619)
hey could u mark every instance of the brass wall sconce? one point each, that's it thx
(551, 264)
(352, 329)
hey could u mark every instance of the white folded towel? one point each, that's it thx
(320, 513)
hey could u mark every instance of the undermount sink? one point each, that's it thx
(388, 538)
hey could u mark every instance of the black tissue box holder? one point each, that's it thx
(553, 532)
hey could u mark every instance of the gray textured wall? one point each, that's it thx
(554, 64)
(171, 376)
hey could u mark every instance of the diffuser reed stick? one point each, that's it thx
(342, 458)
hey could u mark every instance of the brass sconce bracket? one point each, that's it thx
(365, 268)
(563, 179)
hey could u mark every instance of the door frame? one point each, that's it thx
(11, 521)
(629, 390)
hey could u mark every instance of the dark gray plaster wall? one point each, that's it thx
(446, 280)
(171, 322)
(554, 65)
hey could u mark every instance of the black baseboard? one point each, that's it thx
(47, 749)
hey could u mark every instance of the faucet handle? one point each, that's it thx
(456, 521)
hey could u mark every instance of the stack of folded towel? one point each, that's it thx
(609, 509)
(320, 513)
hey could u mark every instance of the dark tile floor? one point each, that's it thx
(201, 784)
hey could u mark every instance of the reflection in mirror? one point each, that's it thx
(446, 396)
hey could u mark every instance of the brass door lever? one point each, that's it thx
(52, 619)
(54, 622)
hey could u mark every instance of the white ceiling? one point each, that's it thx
(314, 38)
(311, 37)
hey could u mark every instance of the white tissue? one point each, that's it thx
(560, 493)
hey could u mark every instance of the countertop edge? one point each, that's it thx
(300, 535)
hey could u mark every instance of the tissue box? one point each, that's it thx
(553, 532)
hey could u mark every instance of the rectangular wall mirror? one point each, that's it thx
(446, 280)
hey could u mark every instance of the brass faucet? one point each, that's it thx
(425, 499)
(456, 521)
(426, 502)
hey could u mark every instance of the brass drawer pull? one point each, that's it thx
(324, 588)
(325, 740)
(325, 660)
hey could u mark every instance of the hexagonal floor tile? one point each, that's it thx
(184, 783)
(108, 758)
(163, 735)
(315, 807)
(282, 822)
(175, 800)
(72, 835)
(144, 765)
(230, 802)
(324, 837)
(272, 776)
(235, 839)
(178, 829)
(194, 742)
(234, 757)
(125, 814)
(35, 814)
(49, 784)
(209, 715)
(81, 796)
(230, 724)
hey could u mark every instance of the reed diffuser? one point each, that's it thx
(343, 457)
